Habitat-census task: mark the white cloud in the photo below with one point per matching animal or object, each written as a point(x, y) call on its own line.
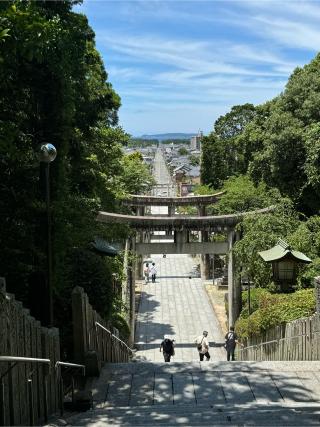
point(202, 57)
point(192, 77)
point(293, 24)
point(170, 79)
point(292, 34)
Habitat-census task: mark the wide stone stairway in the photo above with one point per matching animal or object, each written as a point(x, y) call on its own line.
point(214, 393)
point(149, 392)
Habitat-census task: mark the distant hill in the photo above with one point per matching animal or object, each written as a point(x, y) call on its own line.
point(164, 136)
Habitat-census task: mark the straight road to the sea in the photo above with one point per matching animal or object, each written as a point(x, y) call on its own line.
point(175, 305)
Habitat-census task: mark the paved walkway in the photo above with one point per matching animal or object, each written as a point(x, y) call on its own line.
point(210, 394)
point(175, 305)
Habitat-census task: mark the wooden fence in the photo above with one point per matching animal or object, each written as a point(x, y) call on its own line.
point(31, 383)
point(297, 340)
point(21, 335)
point(94, 343)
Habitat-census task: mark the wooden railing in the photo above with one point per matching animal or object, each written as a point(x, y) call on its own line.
point(33, 379)
point(113, 348)
point(30, 346)
point(94, 343)
point(297, 340)
point(27, 402)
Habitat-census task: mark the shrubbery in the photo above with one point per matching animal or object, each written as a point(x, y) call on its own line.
point(119, 322)
point(269, 310)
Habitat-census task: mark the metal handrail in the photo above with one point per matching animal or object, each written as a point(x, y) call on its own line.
point(71, 365)
point(295, 336)
point(59, 365)
point(276, 341)
point(267, 342)
point(114, 336)
point(23, 359)
point(14, 360)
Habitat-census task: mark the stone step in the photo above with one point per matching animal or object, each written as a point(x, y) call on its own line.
point(218, 393)
point(241, 415)
point(174, 367)
point(210, 383)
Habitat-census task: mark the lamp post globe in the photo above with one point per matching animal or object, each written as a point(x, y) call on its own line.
point(48, 153)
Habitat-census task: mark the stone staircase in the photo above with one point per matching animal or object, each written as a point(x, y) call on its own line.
point(214, 393)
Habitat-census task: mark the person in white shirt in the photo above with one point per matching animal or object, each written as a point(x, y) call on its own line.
point(203, 346)
point(153, 272)
point(146, 272)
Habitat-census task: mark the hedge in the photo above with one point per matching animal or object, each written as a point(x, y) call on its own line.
point(273, 309)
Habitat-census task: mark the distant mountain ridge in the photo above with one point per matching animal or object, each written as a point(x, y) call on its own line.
point(164, 136)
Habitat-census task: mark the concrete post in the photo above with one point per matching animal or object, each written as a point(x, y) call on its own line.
point(213, 268)
point(234, 287)
point(317, 293)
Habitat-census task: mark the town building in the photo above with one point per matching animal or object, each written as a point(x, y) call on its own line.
point(195, 141)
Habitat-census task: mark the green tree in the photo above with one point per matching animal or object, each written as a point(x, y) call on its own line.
point(229, 128)
point(233, 123)
point(280, 160)
point(183, 151)
point(259, 233)
point(282, 139)
point(213, 170)
point(194, 160)
point(136, 177)
point(54, 88)
point(242, 195)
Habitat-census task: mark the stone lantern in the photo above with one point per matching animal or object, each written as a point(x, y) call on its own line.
point(285, 263)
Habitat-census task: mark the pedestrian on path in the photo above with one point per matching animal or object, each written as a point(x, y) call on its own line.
point(167, 348)
point(231, 339)
point(203, 346)
point(146, 272)
point(153, 272)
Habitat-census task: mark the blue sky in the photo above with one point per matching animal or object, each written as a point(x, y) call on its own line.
point(178, 65)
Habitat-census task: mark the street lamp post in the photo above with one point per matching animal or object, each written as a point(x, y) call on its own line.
point(48, 153)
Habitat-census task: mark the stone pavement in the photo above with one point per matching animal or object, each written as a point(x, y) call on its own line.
point(161, 173)
point(176, 306)
point(213, 394)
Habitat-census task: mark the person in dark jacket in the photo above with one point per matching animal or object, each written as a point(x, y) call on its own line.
point(167, 348)
point(231, 341)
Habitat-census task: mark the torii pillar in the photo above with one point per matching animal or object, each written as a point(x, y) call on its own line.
point(234, 285)
point(205, 258)
point(171, 210)
point(128, 286)
point(140, 237)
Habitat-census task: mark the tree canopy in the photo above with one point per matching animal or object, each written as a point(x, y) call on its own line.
point(271, 154)
point(54, 89)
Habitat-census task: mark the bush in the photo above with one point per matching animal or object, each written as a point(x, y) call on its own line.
point(256, 295)
point(121, 324)
point(273, 310)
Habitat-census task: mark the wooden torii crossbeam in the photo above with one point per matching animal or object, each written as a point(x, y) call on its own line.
point(139, 200)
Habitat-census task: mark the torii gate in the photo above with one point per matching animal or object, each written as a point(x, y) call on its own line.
point(181, 225)
point(140, 202)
